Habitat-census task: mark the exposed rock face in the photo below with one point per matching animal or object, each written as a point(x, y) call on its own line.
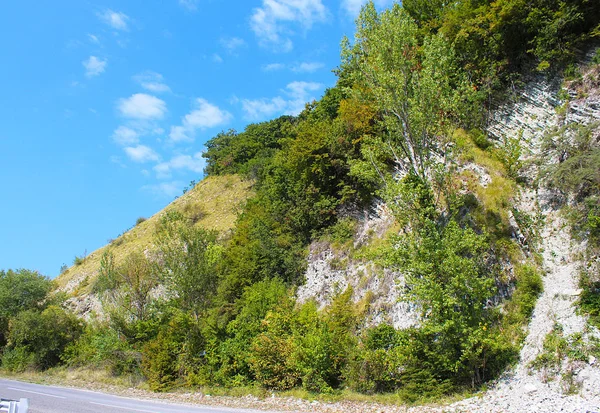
point(530, 113)
point(330, 272)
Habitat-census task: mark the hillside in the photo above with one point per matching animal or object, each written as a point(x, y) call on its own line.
point(429, 228)
point(212, 204)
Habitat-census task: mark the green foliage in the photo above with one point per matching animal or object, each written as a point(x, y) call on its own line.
point(375, 365)
point(305, 346)
point(20, 290)
point(509, 153)
point(589, 300)
point(415, 85)
point(173, 354)
point(126, 295)
point(44, 335)
point(559, 348)
point(139, 220)
point(496, 39)
point(79, 259)
point(189, 258)
point(596, 57)
point(341, 232)
point(577, 174)
point(18, 360)
point(271, 352)
point(554, 351)
point(529, 286)
point(252, 308)
point(102, 347)
point(245, 153)
point(450, 279)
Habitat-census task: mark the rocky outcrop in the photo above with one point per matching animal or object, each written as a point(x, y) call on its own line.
point(330, 271)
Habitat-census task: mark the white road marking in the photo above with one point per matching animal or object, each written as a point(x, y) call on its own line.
point(36, 392)
point(124, 408)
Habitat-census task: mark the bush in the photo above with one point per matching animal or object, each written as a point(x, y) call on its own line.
point(45, 335)
point(20, 290)
point(528, 287)
point(139, 220)
point(18, 360)
point(173, 354)
point(101, 347)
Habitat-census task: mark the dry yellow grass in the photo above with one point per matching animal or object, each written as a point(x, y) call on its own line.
point(213, 204)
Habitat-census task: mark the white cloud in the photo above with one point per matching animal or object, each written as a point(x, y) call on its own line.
point(232, 43)
point(191, 5)
point(165, 189)
point(352, 7)
point(180, 134)
point(217, 59)
point(269, 21)
point(124, 135)
point(296, 96)
point(152, 81)
point(195, 163)
point(141, 153)
point(142, 106)
point(204, 116)
point(307, 67)
point(261, 108)
point(93, 38)
point(94, 66)
point(271, 67)
point(116, 20)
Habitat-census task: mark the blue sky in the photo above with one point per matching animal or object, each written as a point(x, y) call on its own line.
point(105, 106)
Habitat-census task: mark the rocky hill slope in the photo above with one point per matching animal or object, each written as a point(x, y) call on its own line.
point(212, 204)
point(541, 106)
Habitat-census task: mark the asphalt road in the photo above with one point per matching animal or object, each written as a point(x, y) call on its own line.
point(51, 399)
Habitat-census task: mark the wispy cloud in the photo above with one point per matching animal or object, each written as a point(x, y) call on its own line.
point(165, 189)
point(195, 163)
point(269, 22)
point(204, 116)
point(217, 59)
point(141, 154)
point(293, 101)
point(142, 106)
point(190, 5)
point(303, 67)
point(124, 135)
point(232, 43)
point(93, 38)
point(116, 20)
point(272, 67)
point(152, 81)
point(94, 66)
point(307, 67)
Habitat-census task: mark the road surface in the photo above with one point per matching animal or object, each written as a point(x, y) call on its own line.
point(52, 399)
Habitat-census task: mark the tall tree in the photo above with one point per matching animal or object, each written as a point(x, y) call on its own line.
point(413, 83)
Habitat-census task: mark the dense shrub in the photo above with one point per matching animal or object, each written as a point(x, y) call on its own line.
point(101, 347)
point(43, 335)
point(20, 290)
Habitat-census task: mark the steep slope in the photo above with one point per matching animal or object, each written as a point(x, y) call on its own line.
point(212, 204)
point(571, 382)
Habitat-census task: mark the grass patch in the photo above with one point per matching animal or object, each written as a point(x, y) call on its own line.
point(497, 195)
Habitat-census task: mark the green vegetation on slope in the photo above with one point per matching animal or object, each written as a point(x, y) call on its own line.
point(187, 306)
